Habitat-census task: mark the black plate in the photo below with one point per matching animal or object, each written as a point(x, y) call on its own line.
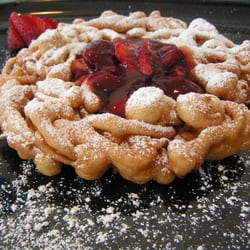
point(208, 209)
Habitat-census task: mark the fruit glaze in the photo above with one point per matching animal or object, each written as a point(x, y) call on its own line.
point(113, 71)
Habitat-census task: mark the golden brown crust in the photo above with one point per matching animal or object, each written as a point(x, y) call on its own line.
point(49, 119)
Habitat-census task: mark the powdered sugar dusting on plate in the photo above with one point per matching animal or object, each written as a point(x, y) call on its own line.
point(5, 55)
point(209, 206)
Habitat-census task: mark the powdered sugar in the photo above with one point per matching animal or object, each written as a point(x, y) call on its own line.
point(110, 213)
point(146, 97)
point(5, 55)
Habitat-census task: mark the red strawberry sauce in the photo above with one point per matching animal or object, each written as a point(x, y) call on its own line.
point(115, 70)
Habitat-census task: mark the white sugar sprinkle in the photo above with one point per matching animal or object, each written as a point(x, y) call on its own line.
point(49, 214)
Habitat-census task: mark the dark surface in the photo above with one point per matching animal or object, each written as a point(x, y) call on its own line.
point(209, 209)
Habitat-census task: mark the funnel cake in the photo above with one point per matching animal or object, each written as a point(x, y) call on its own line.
point(150, 96)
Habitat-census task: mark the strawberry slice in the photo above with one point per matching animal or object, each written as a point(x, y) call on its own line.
point(51, 22)
point(14, 41)
point(42, 24)
point(170, 55)
point(78, 68)
point(144, 58)
point(125, 53)
point(23, 27)
point(99, 54)
point(26, 28)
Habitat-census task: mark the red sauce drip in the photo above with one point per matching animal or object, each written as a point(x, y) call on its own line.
point(115, 70)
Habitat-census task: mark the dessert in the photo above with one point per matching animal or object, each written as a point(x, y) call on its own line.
point(147, 95)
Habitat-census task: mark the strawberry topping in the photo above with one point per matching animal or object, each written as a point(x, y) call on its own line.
point(125, 53)
point(115, 70)
point(25, 28)
point(14, 41)
point(145, 57)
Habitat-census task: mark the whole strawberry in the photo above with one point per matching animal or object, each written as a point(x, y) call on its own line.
point(25, 28)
